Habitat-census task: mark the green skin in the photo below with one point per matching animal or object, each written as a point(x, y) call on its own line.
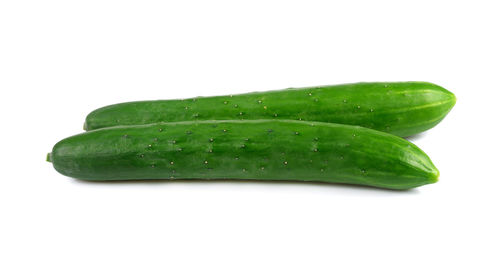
point(246, 150)
point(399, 108)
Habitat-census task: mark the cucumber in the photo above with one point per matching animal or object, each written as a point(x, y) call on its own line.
point(246, 150)
point(399, 108)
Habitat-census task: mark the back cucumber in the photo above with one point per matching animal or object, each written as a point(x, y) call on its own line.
point(248, 150)
point(399, 108)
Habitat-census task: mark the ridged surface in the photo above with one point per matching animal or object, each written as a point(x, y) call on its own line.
point(256, 150)
point(399, 108)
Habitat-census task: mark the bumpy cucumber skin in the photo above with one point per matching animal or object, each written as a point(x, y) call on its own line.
point(399, 108)
point(253, 150)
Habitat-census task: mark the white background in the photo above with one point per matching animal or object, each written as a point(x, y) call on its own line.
point(60, 60)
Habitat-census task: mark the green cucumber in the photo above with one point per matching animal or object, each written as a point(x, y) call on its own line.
point(254, 150)
point(399, 108)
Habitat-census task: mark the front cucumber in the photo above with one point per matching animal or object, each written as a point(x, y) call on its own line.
point(399, 108)
point(254, 150)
